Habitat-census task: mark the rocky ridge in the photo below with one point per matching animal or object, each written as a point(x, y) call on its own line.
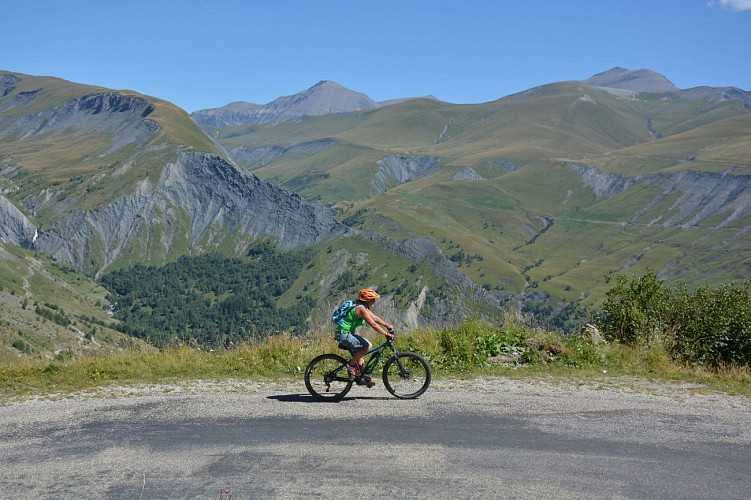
point(220, 203)
point(97, 111)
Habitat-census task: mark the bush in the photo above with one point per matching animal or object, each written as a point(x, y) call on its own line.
point(713, 326)
point(473, 345)
point(21, 345)
point(635, 311)
point(457, 348)
point(710, 326)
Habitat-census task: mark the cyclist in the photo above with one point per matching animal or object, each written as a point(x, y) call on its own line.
point(356, 344)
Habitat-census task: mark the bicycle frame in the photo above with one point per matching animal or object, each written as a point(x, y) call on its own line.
point(376, 353)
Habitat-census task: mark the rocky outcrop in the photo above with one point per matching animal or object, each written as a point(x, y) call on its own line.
point(200, 202)
point(8, 82)
point(602, 183)
point(397, 169)
point(119, 115)
point(699, 196)
point(467, 174)
point(15, 227)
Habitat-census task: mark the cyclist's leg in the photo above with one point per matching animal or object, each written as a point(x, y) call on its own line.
point(358, 356)
point(358, 346)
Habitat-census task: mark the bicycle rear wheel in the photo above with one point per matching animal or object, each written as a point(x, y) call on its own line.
point(406, 375)
point(326, 378)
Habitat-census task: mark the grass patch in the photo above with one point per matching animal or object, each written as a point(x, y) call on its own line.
point(473, 349)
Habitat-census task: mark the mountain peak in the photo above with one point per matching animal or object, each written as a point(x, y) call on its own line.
point(640, 80)
point(328, 83)
point(325, 97)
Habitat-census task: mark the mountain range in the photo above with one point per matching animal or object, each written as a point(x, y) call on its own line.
point(323, 98)
point(553, 187)
point(534, 197)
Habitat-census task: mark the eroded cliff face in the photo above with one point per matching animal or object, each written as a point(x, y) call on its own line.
point(698, 196)
point(702, 196)
point(398, 168)
point(200, 203)
point(603, 184)
point(15, 227)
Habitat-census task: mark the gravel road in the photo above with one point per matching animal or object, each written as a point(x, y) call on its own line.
point(484, 438)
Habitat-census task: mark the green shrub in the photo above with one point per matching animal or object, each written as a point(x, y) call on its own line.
point(635, 310)
point(710, 326)
point(457, 347)
point(21, 345)
point(503, 341)
point(713, 326)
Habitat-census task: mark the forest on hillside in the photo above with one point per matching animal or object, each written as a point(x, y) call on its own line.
point(210, 300)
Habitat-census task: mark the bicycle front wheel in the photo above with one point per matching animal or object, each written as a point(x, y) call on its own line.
point(326, 378)
point(406, 375)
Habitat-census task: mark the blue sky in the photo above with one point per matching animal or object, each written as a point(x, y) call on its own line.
point(204, 54)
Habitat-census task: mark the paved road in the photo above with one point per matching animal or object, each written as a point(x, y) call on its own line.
point(463, 439)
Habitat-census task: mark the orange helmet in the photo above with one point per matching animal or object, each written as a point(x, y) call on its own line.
point(367, 294)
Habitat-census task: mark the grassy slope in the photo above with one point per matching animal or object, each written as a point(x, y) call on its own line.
point(504, 217)
point(723, 146)
point(27, 281)
point(80, 166)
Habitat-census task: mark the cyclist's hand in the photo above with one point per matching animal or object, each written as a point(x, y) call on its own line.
point(390, 334)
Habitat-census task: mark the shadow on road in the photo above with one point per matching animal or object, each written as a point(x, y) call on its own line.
point(307, 398)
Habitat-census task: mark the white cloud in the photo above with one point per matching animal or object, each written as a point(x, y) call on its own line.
point(734, 5)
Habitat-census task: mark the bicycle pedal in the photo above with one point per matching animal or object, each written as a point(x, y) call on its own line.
point(370, 384)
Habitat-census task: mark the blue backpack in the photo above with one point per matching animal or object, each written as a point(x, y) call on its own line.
point(341, 311)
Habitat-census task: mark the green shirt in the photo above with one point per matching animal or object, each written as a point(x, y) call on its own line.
point(351, 321)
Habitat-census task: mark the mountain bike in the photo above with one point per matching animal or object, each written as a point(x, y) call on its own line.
point(406, 375)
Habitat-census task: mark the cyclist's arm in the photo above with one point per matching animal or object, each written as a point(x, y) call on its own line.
point(373, 320)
